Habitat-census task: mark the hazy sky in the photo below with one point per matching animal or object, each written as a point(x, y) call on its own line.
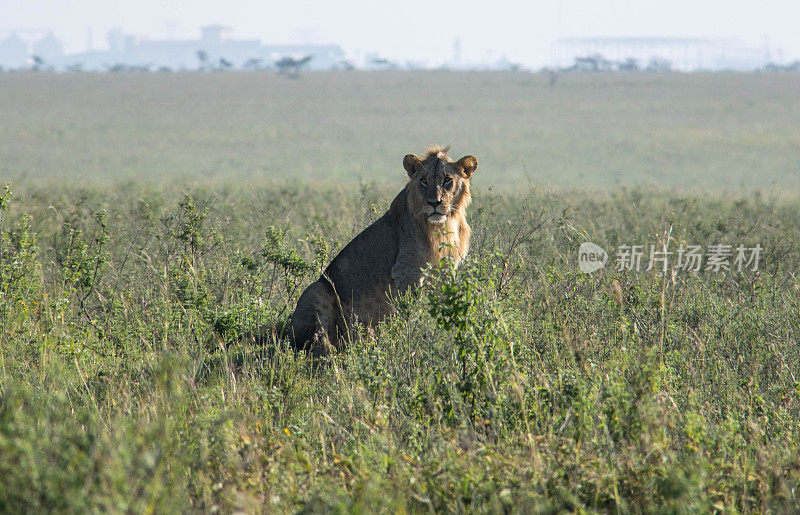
point(419, 30)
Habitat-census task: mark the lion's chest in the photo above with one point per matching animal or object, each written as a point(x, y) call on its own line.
point(451, 242)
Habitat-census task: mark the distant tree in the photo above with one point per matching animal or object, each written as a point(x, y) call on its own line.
point(253, 64)
point(39, 64)
point(291, 67)
point(778, 68)
point(380, 62)
point(592, 63)
point(202, 56)
point(224, 64)
point(629, 65)
point(75, 68)
point(659, 65)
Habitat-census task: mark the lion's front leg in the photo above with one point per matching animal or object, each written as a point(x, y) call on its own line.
point(406, 273)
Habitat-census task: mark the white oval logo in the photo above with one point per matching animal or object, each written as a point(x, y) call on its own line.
point(591, 257)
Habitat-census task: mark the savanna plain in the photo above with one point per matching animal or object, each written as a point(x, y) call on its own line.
point(157, 229)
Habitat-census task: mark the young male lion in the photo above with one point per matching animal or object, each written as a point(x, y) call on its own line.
point(424, 223)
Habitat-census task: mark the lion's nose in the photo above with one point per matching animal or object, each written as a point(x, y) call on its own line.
point(434, 203)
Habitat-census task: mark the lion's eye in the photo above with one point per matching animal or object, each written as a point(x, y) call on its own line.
point(447, 182)
point(424, 181)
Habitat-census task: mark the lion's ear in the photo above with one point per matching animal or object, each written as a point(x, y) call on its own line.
point(410, 163)
point(468, 165)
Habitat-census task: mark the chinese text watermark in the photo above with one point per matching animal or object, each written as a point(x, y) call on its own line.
point(718, 257)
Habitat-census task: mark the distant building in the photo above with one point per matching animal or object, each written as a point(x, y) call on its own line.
point(115, 39)
point(214, 34)
point(679, 54)
point(49, 48)
point(13, 52)
point(215, 49)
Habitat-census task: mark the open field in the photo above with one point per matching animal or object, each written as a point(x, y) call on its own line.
point(161, 228)
point(688, 131)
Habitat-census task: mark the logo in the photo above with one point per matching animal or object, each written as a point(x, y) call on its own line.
point(591, 257)
point(717, 258)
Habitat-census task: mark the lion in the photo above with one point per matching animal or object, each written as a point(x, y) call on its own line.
point(425, 222)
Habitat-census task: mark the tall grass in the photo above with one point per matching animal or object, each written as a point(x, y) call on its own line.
point(142, 367)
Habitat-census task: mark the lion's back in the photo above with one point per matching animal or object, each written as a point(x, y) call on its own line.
point(361, 272)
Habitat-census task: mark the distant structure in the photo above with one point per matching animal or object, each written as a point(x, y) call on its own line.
point(215, 49)
point(13, 52)
point(49, 48)
point(29, 49)
point(679, 54)
point(457, 53)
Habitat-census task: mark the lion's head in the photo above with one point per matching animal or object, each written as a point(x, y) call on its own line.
point(438, 187)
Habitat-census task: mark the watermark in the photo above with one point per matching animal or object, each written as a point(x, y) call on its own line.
point(591, 257)
point(718, 257)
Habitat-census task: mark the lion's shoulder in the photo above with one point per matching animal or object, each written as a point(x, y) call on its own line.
point(368, 258)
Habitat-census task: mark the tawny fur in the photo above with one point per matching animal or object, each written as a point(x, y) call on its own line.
point(425, 222)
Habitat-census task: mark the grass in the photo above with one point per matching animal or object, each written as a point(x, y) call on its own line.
point(689, 132)
point(141, 367)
